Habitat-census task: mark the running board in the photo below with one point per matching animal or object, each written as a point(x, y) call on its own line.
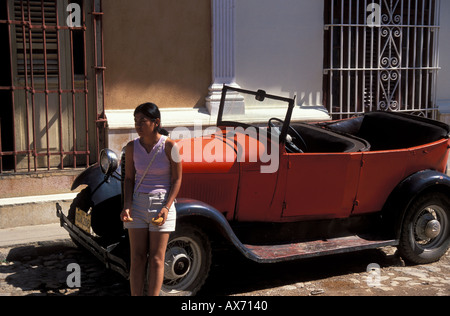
point(310, 249)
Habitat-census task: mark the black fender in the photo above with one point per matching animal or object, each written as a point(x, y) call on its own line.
point(102, 187)
point(209, 219)
point(406, 192)
point(104, 195)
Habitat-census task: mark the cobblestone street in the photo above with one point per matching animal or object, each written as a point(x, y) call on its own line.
point(41, 269)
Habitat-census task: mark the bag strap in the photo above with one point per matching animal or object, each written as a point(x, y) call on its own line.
point(150, 163)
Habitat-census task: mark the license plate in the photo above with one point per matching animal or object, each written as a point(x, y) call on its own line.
point(83, 220)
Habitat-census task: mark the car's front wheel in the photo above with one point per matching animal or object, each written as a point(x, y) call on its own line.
point(187, 261)
point(425, 235)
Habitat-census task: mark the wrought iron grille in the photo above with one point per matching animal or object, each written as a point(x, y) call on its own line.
point(51, 84)
point(381, 55)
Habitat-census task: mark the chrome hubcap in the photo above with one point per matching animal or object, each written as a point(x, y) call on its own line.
point(433, 229)
point(177, 263)
point(429, 227)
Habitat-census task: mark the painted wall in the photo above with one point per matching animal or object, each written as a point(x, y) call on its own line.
point(279, 47)
point(158, 51)
point(443, 85)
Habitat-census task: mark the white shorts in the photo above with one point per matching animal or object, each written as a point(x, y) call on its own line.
point(145, 208)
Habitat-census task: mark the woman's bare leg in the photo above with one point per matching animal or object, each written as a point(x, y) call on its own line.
point(158, 245)
point(138, 252)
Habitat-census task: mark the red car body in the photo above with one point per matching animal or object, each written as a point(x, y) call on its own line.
point(332, 184)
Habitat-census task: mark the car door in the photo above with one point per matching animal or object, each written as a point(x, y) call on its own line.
point(320, 186)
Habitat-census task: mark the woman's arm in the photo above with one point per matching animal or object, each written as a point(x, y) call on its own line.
point(171, 148)
point(128, 185)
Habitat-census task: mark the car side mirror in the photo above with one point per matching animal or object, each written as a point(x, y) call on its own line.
point(108, 161)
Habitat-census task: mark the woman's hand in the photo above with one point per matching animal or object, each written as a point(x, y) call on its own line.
point(125, 215)
point(161, 218)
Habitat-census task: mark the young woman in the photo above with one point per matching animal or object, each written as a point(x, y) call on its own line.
point(152, 182)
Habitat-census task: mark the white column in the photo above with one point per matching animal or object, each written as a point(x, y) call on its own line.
point(223, 63)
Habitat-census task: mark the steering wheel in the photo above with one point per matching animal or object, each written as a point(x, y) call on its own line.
point(293, 144)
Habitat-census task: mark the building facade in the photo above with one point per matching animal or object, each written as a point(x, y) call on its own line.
point(74, 70)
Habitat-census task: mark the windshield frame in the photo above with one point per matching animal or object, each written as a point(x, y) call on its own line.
point(260, 95)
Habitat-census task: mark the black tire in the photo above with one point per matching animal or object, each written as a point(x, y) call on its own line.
point(428, 215)
point(188, 261)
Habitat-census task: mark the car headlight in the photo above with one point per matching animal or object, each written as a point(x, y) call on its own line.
point(108, 161)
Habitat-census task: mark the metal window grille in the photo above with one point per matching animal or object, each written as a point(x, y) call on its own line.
point(390, 66)
point(51, 85)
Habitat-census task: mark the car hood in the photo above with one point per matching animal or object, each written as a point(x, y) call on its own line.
point(220, 152)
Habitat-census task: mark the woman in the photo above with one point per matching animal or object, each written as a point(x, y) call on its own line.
point(152, 182)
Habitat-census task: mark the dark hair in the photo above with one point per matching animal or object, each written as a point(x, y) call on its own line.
point(151, 111)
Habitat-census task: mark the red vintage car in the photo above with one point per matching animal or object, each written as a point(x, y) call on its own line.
point(278, 191)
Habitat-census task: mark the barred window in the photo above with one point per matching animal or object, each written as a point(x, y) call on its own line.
point(51, 84)
point(390, 65)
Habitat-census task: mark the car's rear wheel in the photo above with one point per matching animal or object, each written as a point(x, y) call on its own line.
point(425, 235)
point(187, 262)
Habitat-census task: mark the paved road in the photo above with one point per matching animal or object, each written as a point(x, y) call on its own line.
point(341, 275)
point(41, 269)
